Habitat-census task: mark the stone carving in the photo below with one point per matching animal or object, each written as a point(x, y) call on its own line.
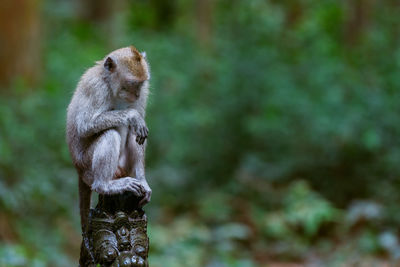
point(117, 233)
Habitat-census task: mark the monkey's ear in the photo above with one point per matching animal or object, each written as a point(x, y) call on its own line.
point(144, 54)
point(109, 64)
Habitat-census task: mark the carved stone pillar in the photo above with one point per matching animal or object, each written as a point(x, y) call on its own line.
point(117, 233)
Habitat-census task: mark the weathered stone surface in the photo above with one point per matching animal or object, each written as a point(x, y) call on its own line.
point(117, 233)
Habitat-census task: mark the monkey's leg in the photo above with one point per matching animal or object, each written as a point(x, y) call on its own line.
point(136, 165)
point(104, 165)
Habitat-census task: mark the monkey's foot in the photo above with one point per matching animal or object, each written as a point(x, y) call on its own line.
point(146, 193)
point(133, 185)
point(120, 185)
point(146, 198)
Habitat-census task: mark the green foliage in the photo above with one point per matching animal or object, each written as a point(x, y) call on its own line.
point(304, 213)
point(185, 242)
point(307, 209)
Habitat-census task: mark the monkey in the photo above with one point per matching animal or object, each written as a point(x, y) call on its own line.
point(106, 131)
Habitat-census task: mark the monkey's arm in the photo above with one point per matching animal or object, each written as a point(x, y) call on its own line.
point(90, 125)
point(139, 169)
point(136, 156)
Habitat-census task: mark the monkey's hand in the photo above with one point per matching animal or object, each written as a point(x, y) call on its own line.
point(140, 128)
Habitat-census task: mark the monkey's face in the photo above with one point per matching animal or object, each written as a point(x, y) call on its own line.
point(130, 89)
point(128, 73)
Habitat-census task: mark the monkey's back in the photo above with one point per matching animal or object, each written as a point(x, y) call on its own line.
point(89, 94)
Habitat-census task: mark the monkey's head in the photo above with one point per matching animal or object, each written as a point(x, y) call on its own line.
point(127, 73)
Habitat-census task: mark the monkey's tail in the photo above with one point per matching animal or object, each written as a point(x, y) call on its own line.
point(85, 194)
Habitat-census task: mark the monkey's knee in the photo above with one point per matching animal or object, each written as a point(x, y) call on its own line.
point(108, 140)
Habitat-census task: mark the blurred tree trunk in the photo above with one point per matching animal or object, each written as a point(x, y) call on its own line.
point(103, 14)
point(294, 13)
point(359, 12)
point(165, 12)
point(19, 40)
point(204, 10)
point(98, 11)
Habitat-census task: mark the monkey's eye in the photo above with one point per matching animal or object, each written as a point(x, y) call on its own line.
point(134, 85)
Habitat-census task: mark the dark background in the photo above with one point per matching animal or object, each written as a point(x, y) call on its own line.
point(274, 128)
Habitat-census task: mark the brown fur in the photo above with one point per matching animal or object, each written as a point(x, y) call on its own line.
point(120, 173)
point(136, 64)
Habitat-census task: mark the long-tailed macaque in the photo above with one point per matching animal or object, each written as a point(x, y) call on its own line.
point(106, 131)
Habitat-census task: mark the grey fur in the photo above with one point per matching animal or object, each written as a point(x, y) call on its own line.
point(106, 131)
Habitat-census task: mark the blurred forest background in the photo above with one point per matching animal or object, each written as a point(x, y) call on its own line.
point(274, 128)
